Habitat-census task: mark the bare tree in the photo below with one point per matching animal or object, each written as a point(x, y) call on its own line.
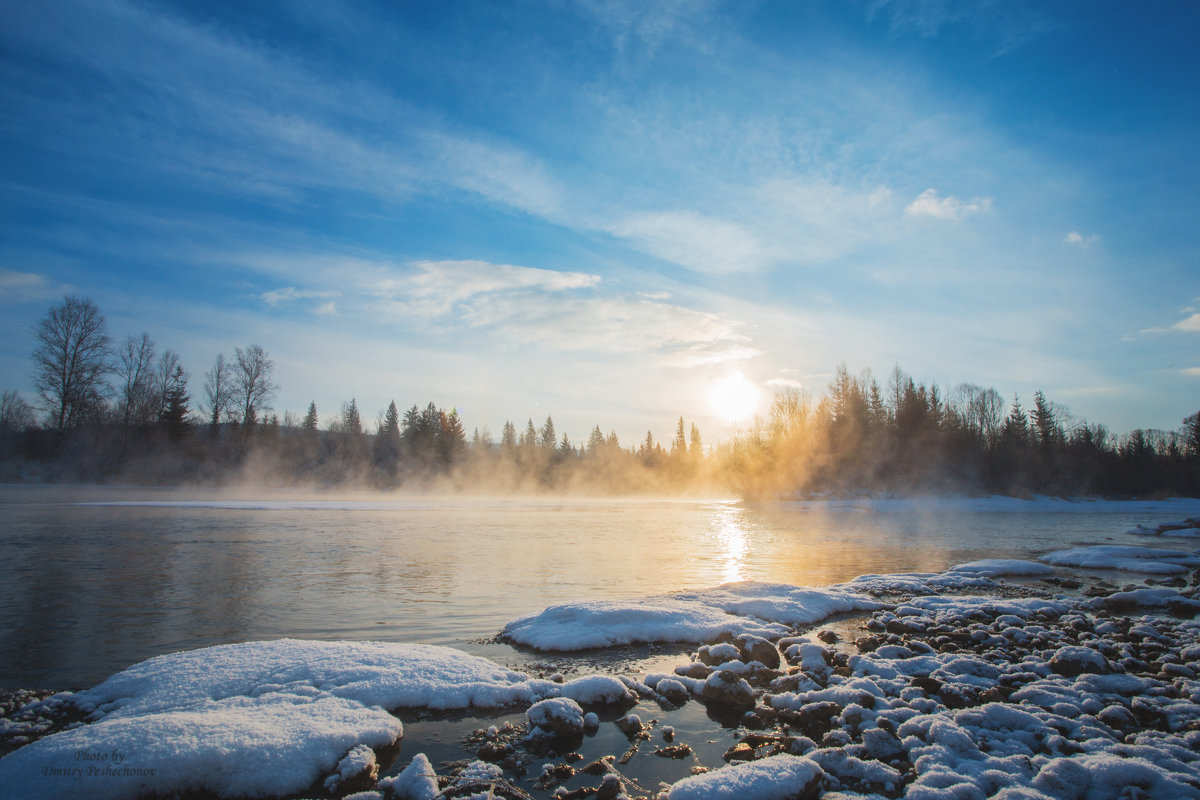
point(253, 387)
point(218, 390)
point(15, 414)
point(135, 388)
point(71, 361)
point(164, 379)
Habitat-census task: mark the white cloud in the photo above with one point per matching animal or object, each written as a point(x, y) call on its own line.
point(290, 293)
point(696, 241)
point(1193, 372)
point(437, 287)
point(326, 310)
point(785, 383)
point(1190, 324)
point(928, 204)
point(24, 287)
point(1079, 240)
point(559, 311)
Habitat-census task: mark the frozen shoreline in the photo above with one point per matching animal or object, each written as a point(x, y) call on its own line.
point(1012, 685)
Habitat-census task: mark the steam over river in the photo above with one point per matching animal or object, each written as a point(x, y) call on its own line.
point(97, 579)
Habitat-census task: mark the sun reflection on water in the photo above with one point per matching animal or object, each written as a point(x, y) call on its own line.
point(731, 534)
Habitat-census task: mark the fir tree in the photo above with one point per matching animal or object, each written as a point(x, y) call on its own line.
point(309, 425)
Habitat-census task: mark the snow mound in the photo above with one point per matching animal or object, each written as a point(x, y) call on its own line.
point(252, 719)
point(1000, 567)
point(778, 777)
point(749, 607)
point(1133, 559)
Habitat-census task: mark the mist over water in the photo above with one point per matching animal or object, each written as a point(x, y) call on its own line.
point(98, 579)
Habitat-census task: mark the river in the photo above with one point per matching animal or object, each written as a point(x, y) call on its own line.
point(96, 579)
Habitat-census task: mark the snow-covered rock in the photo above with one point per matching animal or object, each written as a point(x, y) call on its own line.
point(759, 609)
point(778, 777)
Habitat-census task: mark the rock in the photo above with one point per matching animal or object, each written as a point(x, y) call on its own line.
point(828, 637)
point(755, 648)
point(610, 788)
point(718, 654)
point(725, 688)
point(558, 717)
point(356, 772)
point(695, 670)
point(673, 690)
point(1074, 661)
point(674, 751)
point(494, 751)
point(630, 725)
point(739, 752)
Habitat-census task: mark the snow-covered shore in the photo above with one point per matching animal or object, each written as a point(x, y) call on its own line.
point(982, 681)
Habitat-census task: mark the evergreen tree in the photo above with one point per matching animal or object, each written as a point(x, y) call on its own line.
point(391, 423)
point(564, 446)
point(679, 443)
point(595, 440)
point(695, 447)
point(549, 441)
point(530, 437)
point(174, 416)
point(508, 437)
point(309, 425)
point(351, 421)
point(452, 439)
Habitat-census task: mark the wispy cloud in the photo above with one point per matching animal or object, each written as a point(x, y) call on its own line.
point(696, 241)
point(1189, 324)
point(25, 287)
point(559, 311)
point(929, 204)
point(1079, 240)
point(289, 294)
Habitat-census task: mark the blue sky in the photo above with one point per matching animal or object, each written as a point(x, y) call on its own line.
point(598, 210)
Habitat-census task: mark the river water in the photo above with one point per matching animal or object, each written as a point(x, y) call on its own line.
point(97, 579)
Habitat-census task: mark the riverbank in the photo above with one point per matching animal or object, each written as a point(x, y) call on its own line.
point(993, 675)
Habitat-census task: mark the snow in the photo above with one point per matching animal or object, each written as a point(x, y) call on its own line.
point(1000, 567)
point(778, 777)
point(258, 718)
point(417, 781)
point(1133, 559)
point(998, 504)
point(749, 607)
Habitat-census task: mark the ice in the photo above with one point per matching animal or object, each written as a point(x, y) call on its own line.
point(1134, 559)
point(778, 777)
point(1000, 567)
point(760, 609)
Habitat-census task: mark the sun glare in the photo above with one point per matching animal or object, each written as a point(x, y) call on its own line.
point(735, 398)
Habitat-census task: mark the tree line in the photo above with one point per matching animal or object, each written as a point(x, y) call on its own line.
point(909, 437)
point(125, 411)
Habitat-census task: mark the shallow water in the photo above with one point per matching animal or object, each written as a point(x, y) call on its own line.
point(98, 579)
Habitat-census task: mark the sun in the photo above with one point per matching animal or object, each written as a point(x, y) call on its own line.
point(735, 398)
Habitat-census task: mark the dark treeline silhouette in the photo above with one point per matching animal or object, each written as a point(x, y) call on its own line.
point(125, 413)
point(908, 437)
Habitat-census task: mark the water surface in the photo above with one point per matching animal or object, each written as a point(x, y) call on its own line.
point(98, 579)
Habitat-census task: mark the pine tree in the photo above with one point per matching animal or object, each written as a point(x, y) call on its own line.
point(351, 421)
point(549, 440)
point(508, 437)
point(679, 443)
point(174, 416)
point(309, 425)
point(391, 423)
point(695, 447)
point(595, 440)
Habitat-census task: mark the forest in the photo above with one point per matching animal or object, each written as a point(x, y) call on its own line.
point(127, 412)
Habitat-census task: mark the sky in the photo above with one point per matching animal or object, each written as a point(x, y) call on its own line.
point(600, 210)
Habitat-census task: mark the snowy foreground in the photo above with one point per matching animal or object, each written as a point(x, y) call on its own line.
point(955, 685)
